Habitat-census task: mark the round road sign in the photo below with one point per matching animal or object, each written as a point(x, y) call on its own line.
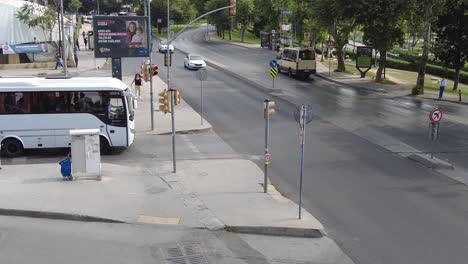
point(436, 115)
point(273, 63)
point(202, 74)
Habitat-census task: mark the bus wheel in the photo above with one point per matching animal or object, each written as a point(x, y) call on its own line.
point(12, 147)
point(279, 69)
point(104, 146)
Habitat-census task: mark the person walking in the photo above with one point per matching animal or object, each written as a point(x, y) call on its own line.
point(137, 80)
point(443, 83)
point(76, 59)
point(59, 62)
point(85, 39)
point(77, 44)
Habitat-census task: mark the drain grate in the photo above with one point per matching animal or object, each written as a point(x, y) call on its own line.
point(287, 261)
point(184, 254)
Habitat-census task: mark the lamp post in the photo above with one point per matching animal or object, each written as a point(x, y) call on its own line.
point(64, 59)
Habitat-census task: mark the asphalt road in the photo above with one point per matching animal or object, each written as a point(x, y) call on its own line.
point(378, 206)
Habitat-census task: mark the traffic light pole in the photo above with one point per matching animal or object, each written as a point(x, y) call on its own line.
point(267, 137)
point(303, 120)
point(171, 93)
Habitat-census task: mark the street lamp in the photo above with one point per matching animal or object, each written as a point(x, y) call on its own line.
point(64, 59)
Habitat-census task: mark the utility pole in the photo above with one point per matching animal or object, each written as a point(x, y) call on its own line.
point(171, 92)
point(150, 50)
point(97, 1)
point(64, 59)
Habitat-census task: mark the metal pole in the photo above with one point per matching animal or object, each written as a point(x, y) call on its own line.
point(97, 6)
point(207, 30)
point(267, 135)
point(303, 120)
point(64, 59)
point(201, 101)
point(172, 93)
point(150, 51)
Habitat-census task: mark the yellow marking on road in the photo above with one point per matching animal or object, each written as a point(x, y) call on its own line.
point(155, 220)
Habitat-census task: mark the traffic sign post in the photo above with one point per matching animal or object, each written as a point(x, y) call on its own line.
point(303, 116)
point(202, 75)
point(435, 117)
point(274, 71)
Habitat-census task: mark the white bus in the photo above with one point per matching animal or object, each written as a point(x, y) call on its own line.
point(40, 112)
point(298, 61)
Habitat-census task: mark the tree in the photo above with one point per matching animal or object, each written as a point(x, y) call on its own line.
point(74, 6)
point(245, 15)
point(221, 19)
point(337, 16)
point(382, 23)
point(45, 18)
point(452, 36)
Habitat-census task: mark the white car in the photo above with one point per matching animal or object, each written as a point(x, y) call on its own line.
point(163, 48)
point(194, 62)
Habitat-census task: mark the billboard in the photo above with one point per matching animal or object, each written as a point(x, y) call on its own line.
point(25, 48)
point(364, 57)
point(120, 36)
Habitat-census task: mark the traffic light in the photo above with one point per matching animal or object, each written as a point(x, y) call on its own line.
point(164, 102)
point(232, 10)
point(154, 68)
point(176, 97)
point(271, 108)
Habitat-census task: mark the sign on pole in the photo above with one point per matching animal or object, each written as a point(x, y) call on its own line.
point(274, 73)
point(436, 115)
point(363, 60)
point(202, 74)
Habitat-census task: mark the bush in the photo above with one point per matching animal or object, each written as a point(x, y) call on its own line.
point(430, 69)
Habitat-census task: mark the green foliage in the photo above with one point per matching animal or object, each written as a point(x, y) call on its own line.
point(183, 11)
point(74, 6)
point(44, 18)
point(245, 15)
point(221, 18)
point(452, 30)
point(430, 69)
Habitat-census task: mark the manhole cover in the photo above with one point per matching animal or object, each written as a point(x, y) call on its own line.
point(184, 254)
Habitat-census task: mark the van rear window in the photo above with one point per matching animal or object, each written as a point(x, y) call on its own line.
point(307, 55)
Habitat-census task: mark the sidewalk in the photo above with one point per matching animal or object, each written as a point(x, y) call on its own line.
point(212, 194)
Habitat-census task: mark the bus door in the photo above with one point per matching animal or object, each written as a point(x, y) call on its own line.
point(117, 121)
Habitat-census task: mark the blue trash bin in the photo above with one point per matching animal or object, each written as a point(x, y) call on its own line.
point(65, 168)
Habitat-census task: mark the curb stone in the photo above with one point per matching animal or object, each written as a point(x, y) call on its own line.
point(56, 216)
point(277, 231)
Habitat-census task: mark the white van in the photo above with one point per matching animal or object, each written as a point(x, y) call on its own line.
point(297, 61)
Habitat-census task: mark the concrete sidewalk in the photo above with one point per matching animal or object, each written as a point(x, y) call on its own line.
point(212, 194)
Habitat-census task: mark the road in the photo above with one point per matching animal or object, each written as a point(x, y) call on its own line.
point(378, 206)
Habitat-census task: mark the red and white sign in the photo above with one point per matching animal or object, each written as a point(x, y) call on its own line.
point(436, 115)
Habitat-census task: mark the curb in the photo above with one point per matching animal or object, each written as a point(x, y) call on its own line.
point(347, 84)
point(184, 132)
point(237, 76)
point(56, 216)
point(430, 163)
point(277, 231)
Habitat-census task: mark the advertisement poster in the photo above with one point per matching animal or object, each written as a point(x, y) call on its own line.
point(364, 57)
point(25, 48)
point(120, 36)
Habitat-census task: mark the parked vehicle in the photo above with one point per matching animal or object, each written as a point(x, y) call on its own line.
point(162, 48)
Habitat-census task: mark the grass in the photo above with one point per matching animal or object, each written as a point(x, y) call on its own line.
point(249, 38)
point(405, 78)
point(178, 27)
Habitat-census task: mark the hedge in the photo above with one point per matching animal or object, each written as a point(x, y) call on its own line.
point(430, 69)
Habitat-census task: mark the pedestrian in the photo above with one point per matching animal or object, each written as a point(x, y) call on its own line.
point(76, 59)
point(443, 83)
point(137, 80)
point(59, 62)
point(77, 44)
point(84, 34)
point(85, 42)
